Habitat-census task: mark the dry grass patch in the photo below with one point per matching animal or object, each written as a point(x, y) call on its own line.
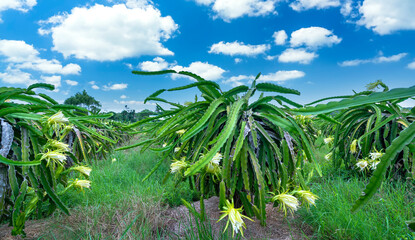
point(278, 226)
point(130, 219)
point(138, 219)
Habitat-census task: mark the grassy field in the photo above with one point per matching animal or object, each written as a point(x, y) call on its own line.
point(118, 203)
point(120, 206)
point(383, 218)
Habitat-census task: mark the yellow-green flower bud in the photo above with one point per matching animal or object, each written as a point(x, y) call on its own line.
point(287, 201)
point(234, 217)
point(328, 156)
point(82, 169)
point(216, 159)
point(57, 120)
point(362, 164)
point(353, 146)
point(58, 146)
point(177, 166)
point(328, 140)
point(81, 184)
point(55, 156)
point(181, 132)
point(307, 197)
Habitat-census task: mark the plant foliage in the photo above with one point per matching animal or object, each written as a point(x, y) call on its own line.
point(45, 148)
point(232, 144)
point(375, 134)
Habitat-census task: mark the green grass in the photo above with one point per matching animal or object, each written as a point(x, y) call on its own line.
point(114, 181)
point(383, 218)
point(118, 199)
point(119, 205)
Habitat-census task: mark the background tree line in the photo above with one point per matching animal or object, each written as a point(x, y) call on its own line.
point(83, 99)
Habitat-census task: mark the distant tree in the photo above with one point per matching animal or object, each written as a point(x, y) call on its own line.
point(144, 114)
point(128, 115)
point(84, 100)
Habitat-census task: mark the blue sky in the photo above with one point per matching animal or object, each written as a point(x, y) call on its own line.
point(319, 47)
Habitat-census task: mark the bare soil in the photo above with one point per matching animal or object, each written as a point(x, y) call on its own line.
point(33, 229)
point(278, 226)
point(176, 222)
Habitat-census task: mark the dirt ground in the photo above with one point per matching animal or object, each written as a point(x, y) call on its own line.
point(33, 229)
point(278, 226)
point(176, 223)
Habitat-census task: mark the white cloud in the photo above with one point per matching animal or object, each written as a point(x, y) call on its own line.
point(15, 76)
point(297, 55)
point(313, 37)
point(238, 60)
point(19, 5)
point(302, 5)
point(281, 76)
point(46, 25)
point(238, 48)
point(238, 80)
point(232, 9)
point(50, 67)
point(137, 3)
point(116, 86)
point(387, 16)
point(132, 102)
point(411, 65)
point(71, 83)
point(93, 85)
point(378, 59)
point(123, 97)
point(17, 51)
point(347, 8)
point(270, 58)
point(71, 69)
point(280, 37)
point(393, 58)
point(119, 105)
point(129, 65)
point(355, 62)
point(111, 33)
point(203, 69)
point(205, 2)
point(21, 55)
point(54, 80)
point(408, 103)
point(157, 64)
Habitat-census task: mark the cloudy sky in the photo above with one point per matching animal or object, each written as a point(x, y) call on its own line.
point(319, 47)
